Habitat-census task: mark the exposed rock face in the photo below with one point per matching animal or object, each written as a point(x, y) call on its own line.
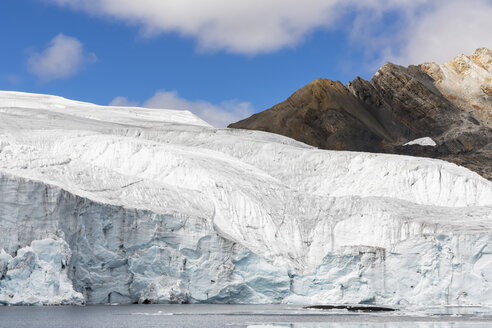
point(323, 114)
point(450, 103)
point(467, 82)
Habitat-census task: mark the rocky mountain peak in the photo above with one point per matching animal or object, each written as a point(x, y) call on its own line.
point(451, 103)
point(483, 57)
point(467, 82)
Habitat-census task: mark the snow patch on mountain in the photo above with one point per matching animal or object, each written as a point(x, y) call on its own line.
point(425, 141)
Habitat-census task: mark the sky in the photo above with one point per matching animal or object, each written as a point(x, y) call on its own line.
point(222, 59)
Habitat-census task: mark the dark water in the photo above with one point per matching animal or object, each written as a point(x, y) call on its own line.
point(231, 316)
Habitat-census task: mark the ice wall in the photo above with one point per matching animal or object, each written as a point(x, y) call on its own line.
point(154, 206)
point(37, 275)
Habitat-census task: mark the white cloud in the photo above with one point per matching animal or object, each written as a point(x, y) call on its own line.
point(406, 31)
point(218, 115)
point(63, 57)
point(447, 30)
point(123, 102)
point(422, 30)
point(239, 26)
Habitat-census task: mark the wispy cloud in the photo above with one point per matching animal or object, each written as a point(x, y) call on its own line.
point(63, 57)
point(218, 115)
point(407, 31)
point(238, 26)
point(416, 31)
point(447, 29)
point(123, 102)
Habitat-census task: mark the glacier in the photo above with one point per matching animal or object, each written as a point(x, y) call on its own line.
point(123, 205)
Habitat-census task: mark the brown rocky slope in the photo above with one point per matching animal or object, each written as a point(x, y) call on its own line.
point(450, 103)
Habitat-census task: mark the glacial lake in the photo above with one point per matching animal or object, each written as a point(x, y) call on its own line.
point(231, 316)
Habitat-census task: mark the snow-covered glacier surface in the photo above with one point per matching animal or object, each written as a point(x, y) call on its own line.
point(121, 205)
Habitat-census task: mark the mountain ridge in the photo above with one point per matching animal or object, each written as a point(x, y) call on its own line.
point(450, 103)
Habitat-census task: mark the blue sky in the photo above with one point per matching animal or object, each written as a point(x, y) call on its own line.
point(221, 61)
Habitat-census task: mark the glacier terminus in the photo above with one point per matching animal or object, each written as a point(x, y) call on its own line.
point(123, 205)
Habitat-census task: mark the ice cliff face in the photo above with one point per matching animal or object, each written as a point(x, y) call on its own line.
point(137, 205)
point(37, 275)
